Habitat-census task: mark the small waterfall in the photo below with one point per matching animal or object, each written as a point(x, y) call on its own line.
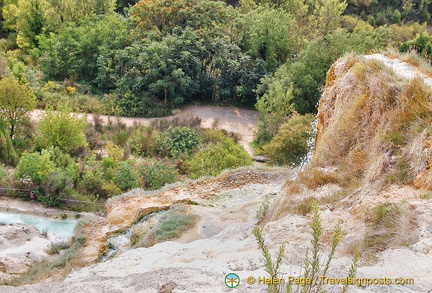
point(120, 240)
point(311, 144)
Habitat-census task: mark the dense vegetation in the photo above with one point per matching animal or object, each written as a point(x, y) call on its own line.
point(145, 58)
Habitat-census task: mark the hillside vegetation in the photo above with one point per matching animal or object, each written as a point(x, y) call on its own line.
point(147, 58)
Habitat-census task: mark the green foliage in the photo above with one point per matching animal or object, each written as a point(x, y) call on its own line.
point(144, 142)
point(163, 16)
point(15, 101)
point(385, 12)
point(422, 44)
point(268, 33)
point(182, 67)
point(3, 173)
point(274, 106)
point(31, 19)
point(289, 145)
point(312, 266)
point(125, 176)
point(173, 224)
point(8, 154)
point(82, 52)
point(214, 158)
point(62, 130)
point(157, 173)
point(58, 185)
point(178, 140)
point(36, 166)
point(56, 96)
point(271, 267)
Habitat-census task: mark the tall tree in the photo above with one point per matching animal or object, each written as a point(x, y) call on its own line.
point(15, 101)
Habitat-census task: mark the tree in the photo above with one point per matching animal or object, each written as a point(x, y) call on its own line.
point(164, 15)
point(62, 130)
point(34, 18)
point(78, 51)
point(15, 101)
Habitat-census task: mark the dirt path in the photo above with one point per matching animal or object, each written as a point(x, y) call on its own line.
point(233, 119)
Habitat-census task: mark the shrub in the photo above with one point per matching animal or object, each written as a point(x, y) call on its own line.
point(37, 166)
point(178, 140)
point(3, 173)
point(143, 142)
point(62, 130)
point(57, 185)
point(8, 154)
point(212, 160)
point(156, 174)
point(125, 176)
point(289, 146)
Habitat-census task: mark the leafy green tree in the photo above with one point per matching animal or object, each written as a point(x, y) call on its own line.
point(84, 52)
point(31, 19)
point(266, 33)
point(274, 106)
point(62, 130)
point(15, 102)
point(164, 15)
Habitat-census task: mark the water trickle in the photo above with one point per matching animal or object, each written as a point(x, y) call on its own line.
point(119, 240)
point(311, 144)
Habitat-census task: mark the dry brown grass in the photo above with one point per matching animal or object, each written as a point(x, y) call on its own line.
point(313, 178)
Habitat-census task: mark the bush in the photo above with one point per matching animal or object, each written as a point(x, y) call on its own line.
point(212, 160)
point(156, 174)
point(125, 176)
point(36, 166)
point(62, 130)
point(8, 154)
point(3, 173)
point(178, 140)
point(289, 146)
point(143, 142)
point(57, 185)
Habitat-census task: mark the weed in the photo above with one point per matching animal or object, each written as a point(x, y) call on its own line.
point(312, 266)
point(426, 196)
point(262, 213)
point(272, 268)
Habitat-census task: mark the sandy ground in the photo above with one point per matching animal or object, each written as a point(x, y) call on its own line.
point(239, 121)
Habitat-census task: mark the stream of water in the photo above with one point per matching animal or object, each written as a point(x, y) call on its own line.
point(60, 228)
point(119, 240)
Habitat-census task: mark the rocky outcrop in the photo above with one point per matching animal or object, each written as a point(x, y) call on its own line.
point(373, 120)
point(20, 246)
